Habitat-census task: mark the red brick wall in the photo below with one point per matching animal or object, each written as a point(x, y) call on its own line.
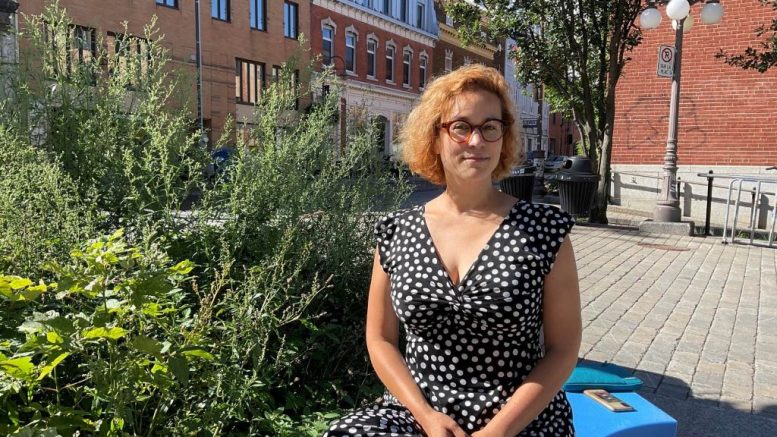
point(318, 14)
point(728, 116)
point(222, 42)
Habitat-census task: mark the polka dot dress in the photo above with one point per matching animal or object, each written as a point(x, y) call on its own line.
point(469, 346)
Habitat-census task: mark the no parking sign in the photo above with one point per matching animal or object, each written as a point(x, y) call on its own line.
point(666, 56)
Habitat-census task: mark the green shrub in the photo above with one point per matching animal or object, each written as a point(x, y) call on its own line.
point(281, 244)
point(41, 214)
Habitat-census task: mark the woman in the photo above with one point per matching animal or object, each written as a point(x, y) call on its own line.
point(484, 285)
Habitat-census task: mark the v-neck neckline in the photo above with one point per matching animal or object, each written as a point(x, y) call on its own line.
point(480, 253)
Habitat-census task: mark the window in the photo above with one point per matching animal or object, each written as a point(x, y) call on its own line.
point(448, 61)
point(403, 10)
point(276, 73)
point(258, 14)
point(448, 20)
point(419, 17)
point(133, 57)
point(168, 3)
point(390, 63)
point(422, 71)
point(290, 20)
point(249, 81)
point(327, 46)
point(386, 6)
point(219, 9)
point(406, 58)
point(467, 60)
point(371, 47)
point(350, 52)
point(70, 50)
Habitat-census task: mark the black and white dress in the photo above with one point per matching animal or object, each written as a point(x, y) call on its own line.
point(469, 346)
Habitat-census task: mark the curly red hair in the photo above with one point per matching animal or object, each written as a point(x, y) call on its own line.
point(421, 131)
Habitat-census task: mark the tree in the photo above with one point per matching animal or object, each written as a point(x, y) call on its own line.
point(755, 59)
point(577, 49)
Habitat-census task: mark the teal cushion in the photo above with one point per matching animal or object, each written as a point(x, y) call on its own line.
point(607, 376)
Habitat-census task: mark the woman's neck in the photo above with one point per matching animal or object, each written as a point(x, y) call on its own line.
point(470, 196)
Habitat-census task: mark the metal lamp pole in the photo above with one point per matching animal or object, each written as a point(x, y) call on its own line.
point(668, 204)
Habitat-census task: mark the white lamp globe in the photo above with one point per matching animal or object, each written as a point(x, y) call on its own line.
point(712, 12)
point(687, 24)
point(678, 9)
point(650, 18)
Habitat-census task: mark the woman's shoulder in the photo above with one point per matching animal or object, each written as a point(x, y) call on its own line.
point(387, 222)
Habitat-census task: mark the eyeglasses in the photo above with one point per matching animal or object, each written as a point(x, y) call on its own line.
point(460, 131)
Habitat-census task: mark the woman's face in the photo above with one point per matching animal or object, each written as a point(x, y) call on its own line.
point(465, 154)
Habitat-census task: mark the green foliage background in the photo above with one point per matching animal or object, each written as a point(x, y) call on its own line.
point(140, 297)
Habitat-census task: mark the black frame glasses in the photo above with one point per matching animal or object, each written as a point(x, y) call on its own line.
point(487, 135)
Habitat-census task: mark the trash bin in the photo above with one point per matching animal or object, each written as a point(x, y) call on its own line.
point(520, 182)
point(576, 185)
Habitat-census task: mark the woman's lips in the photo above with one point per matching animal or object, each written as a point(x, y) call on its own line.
point(475, 158)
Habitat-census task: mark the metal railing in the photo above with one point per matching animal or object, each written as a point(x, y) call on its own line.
point(759, 182)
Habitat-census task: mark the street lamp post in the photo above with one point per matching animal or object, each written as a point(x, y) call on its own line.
point(668, 204)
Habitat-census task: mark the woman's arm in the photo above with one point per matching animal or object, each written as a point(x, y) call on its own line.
point(383, 345)
point(563, 331)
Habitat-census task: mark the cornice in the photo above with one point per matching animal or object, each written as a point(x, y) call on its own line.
point(373, 19)
point(448, 34)
point(379, 89)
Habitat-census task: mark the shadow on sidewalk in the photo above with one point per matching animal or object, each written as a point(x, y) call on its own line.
point(700, 417)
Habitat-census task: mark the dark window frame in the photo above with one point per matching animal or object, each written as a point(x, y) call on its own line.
point(350, 50)
point(423, 66)
point(226, 11)
point(253, 5)
point(403, 9)
point(390, 60)
point(420, 14)
point(167, 3)
point(372, 64)
point(407, 67)
point(257, 94)
point(289, 6)
point(327, 57)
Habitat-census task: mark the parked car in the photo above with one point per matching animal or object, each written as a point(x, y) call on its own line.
point(554, 163)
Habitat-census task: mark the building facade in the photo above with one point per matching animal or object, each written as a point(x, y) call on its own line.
point(527, 108)
point(727, 121)
point(451, 53)
point(243, 43)
point(382, 50)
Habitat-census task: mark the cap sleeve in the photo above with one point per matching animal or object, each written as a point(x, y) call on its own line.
point(385, 229)
point(556, 225)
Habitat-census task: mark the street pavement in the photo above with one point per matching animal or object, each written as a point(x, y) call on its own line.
point(695, 319)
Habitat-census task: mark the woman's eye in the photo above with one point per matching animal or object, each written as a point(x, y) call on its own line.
point(460, 128)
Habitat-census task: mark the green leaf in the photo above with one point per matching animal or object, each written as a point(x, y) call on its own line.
point(54, 337)
point(147, 345)
point(19, 283)
point(47, 369)
point(21, 368)
point(114, 333)
point(180, 369)
point(199, 353)
point(182, 268)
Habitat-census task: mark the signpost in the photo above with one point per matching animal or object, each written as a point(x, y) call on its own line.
point(666, 57)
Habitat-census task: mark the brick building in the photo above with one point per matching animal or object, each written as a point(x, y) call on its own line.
point(451, 53)
point(243, 43)
point(383, 51)
point(727, 121)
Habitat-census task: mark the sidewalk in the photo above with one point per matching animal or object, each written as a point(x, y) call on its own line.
point(695, 319)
